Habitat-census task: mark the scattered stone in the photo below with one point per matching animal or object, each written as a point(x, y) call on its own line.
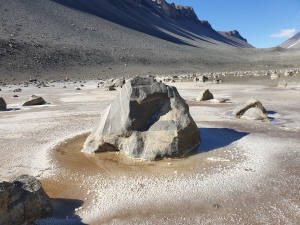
point(17, 90)
point(254, 114)
point(205, 96)
point(23, 201)
point(217, 206)
point(78, 89)
point(35, 100)
point(282, 84)
point(148, 120)
point(275, 76)
point(110, 88)
point(2, 104)
point(252, 110)
point(64, 86)
point(119, 82)
point(217, 81)
point(16, 96)
point(219, 100)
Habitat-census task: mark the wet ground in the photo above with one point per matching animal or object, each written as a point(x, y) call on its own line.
point(244, 172)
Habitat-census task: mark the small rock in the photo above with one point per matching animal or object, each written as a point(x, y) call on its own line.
point(219, 100)
point(110, 88)
point(257, 111)
point(78, 89)
point(16, 96)
point(274, 76)
point(254, 114)
point(17, 90)
point(205, 95)
point(282, 84)
point(35, 100)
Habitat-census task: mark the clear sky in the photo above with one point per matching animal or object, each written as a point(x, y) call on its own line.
point(264, 23)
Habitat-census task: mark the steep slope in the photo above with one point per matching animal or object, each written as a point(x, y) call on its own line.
point(293, 42)
point(104, 38)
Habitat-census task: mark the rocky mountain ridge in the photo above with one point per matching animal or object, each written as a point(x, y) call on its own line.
point(293, 42)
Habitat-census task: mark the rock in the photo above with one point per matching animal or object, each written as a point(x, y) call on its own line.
point(64, 87)
point(78, 89)
point(35, 100)
point(217, 81)
point(282, 84)
point(119, 82)
point(17, 90)
point(274, 76)
point(16, 96)
point(110, 88)
point(148, 120)
point(2, 104)
point(23, 201)
point(219, 100)
point(205, 95)
point(254, 114)
point(259, 112)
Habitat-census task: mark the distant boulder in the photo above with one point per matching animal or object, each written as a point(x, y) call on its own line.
point(275, 76)
point(252, 110)
point(23, 201)
point(119, 82)
point(282, 84)
point(2, 104)
point(205, 96)
point(17, 90)
point(35, 100)
point(148, 120)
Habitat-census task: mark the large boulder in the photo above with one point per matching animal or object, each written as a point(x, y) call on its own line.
point(35, 100)
point(252, 110)
point(148, 120)
point(2, 104)
point(23, 201)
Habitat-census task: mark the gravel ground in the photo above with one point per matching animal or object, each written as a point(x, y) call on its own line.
point(245, 172)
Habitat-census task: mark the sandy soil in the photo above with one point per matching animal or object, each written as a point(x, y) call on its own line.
point(245, 172)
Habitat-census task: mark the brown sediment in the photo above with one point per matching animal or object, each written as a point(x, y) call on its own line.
point(68, 156)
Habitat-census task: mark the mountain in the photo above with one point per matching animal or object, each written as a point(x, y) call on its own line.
point(104, 38)
point(293, 42)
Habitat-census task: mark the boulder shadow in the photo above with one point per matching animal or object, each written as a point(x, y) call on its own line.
point(12, 109)
point(63, 213)
point(271, 118)
point(214, 138)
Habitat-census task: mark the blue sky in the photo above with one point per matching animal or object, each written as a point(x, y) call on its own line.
point(265, 23)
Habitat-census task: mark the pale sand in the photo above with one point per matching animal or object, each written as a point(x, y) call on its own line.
point(247, 174)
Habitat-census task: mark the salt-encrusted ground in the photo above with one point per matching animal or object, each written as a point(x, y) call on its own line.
point(248, 172)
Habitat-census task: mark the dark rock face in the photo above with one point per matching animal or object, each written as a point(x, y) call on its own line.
point(165, 9)
point(35, 100)
point(236, 34)
point(148, 120)
point(23, 201)
point(2, 104)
